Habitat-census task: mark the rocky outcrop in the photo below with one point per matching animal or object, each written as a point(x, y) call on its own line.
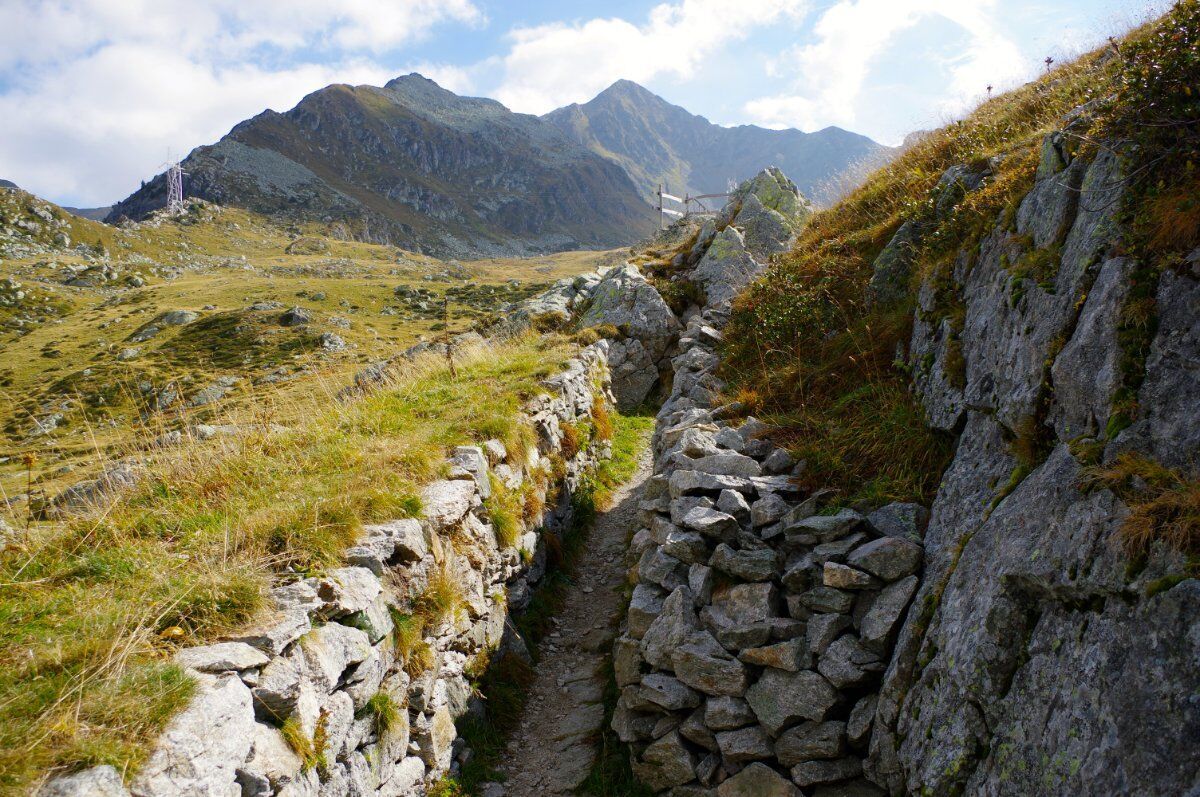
point(291, 705)
point(625, 300)
point(1038, 660)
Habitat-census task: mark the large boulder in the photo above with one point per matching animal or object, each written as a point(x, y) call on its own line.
point(627, 301)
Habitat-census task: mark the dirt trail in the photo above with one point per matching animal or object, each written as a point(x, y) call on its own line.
point(552, 751)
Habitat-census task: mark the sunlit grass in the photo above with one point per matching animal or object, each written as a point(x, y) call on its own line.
point(91, 608)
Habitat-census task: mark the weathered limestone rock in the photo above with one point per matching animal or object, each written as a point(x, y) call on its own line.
point(201, 748)
point(444, 503)
point(221, 657)
point(100, 781)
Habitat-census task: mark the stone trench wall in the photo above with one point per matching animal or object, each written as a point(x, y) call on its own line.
point(329, 648)
point(758, 629)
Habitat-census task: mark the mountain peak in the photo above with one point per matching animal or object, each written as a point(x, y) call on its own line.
point(627, 89)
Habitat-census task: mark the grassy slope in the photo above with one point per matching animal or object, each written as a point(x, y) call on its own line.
point(91, 610)
point(807, 352)
point(72, 356)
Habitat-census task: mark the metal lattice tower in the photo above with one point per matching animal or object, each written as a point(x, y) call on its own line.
point(175, 187)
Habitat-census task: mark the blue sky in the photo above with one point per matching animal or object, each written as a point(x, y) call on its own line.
point(95, 94)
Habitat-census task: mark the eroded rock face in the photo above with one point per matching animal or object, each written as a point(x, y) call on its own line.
point(1039, 661)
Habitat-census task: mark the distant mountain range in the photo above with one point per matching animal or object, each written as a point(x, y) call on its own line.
point(418, 166)
point(660, 143)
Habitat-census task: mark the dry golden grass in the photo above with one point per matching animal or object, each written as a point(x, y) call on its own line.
point(92, 608)
point(1164, 504)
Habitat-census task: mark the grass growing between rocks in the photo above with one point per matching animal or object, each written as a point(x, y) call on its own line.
point(1164, 505)
point(807, 351)
point(504, 680)
point(91, 609)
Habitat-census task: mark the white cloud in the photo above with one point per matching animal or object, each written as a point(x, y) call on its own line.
point(556, 64)
point(829, 74)
point(94, 91)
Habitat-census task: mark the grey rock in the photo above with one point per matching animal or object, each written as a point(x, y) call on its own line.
point(728, 463)
point(274, 633)
point(670, 693)
point(778, 461)
point(726, 267)
point(99, 781)
point(745, 744)
point(711, 523)
point(694, 482)
point(295, 317)
point(811, 740)
point(202, 746)
point(841, 576)
point(780, 698)
point(904, 520)
point(1087, 372)
point(627, 661)
point(701, 663)
point(753, 565)
point(473, 460)
point(822, 528)
point(747, 604)
point(731, 502)
point(885, 613)
point(673, 625)
point(329, 650)
point(768, 509)
point(828, 599)
point(823, 629)
point(816, 773)
point(757, 780)
point(858, 726)
point(665, 763)
point(644, 606)
point(221, 657)
point(792, 655)
point(444, 503)
point(723, 713)
point(846, 663)
point(686, 546)
point(889, 558)
point(347, 590)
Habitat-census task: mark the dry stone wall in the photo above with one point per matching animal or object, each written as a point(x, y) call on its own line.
point(759, 627)
point(312, 670)
point(760, 624)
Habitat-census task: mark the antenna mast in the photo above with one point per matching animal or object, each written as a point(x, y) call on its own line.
point(175, 187)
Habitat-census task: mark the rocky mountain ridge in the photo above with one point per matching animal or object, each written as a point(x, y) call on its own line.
point(415, 165)
point(660, 143)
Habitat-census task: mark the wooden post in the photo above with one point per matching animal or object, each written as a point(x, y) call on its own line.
point(449, 340)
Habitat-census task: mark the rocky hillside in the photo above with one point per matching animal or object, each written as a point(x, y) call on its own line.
point(415, 165)
point(1003, 324)
point(657, 142)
